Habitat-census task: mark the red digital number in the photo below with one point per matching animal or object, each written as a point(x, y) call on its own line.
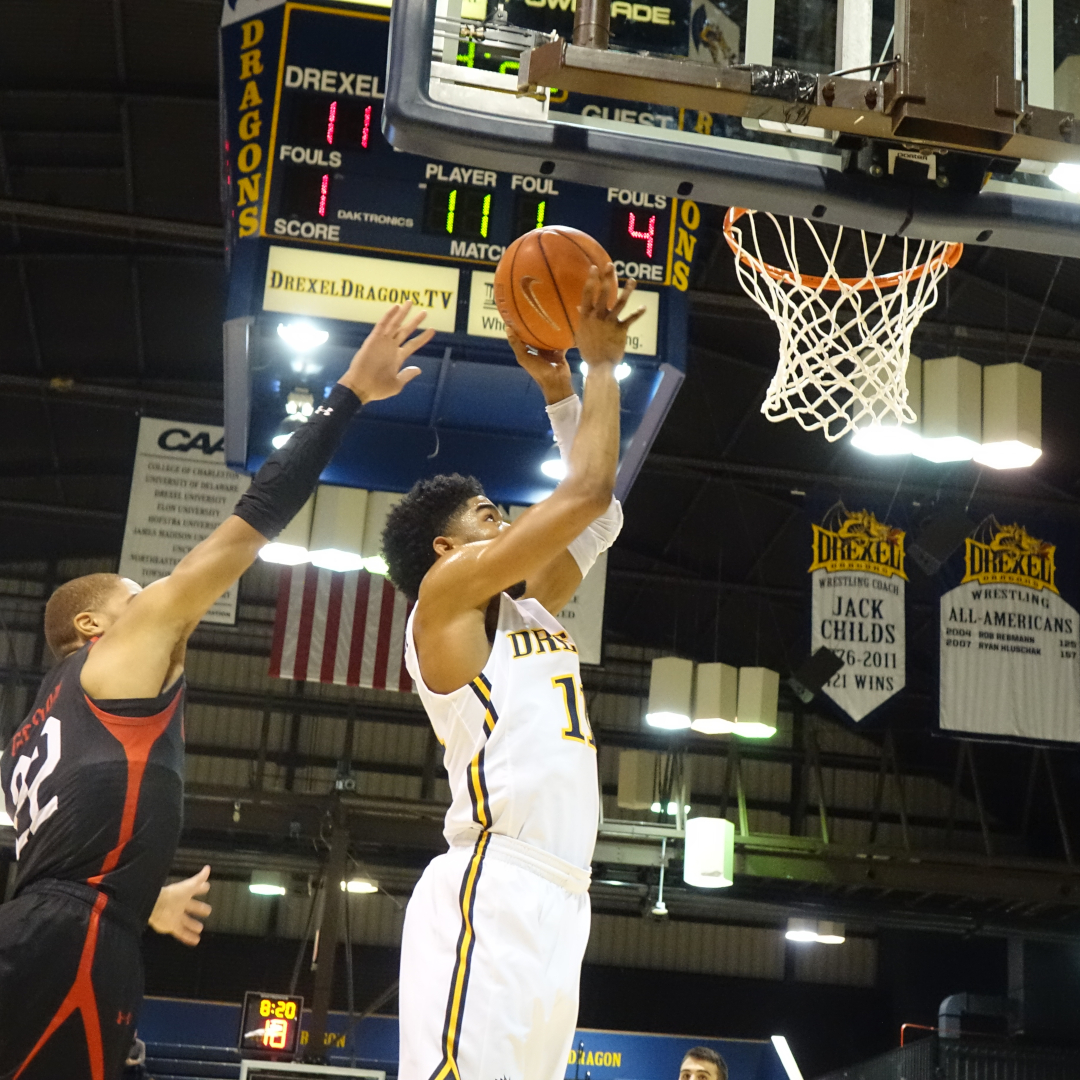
point(276, 1034)
point(331, 119)
point(648, 234)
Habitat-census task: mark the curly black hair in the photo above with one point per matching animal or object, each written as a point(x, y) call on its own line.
point(413, 524)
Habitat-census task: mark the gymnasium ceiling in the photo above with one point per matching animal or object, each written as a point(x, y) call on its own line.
point(111, 292)
point(110, 106)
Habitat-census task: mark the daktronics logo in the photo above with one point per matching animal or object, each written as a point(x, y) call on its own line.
point(178, 440)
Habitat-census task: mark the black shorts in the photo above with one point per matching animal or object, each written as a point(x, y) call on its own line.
point(71, 984)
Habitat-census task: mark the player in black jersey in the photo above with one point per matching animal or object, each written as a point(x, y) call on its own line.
point(93, 778)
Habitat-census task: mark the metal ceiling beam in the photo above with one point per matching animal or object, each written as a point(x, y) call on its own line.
point(770, 476)
point(413, 715)
point(802, 870)
point(655, 577)
point(111, 97)
point(68, 515)
point(105, 395)
point(116, 226)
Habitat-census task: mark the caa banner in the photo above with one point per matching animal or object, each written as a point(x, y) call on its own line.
point(181, 491)
point(858, 585)
point(1009, 664)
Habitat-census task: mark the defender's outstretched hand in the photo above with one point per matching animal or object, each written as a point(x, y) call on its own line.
point(547, 367)
point(601, 335)
point(176, 908)
point(375, 372)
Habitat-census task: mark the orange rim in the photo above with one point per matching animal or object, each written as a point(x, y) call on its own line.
point(948, 257)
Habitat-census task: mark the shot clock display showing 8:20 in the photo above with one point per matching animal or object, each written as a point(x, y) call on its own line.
point(270, 1025)
point(332, 178)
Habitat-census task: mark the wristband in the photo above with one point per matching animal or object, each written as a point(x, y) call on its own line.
point(289, 475)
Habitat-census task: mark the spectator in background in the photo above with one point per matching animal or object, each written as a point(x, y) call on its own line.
point(700, 1063)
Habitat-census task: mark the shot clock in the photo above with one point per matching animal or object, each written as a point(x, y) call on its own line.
point(270, 1025)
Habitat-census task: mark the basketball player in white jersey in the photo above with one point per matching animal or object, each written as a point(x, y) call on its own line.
point(496, 927)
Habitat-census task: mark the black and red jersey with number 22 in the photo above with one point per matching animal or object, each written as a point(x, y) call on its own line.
point(95, 791)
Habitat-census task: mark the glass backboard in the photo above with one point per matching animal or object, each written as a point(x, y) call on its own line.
point(466, 97)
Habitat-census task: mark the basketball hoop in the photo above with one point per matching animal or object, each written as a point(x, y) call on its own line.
point(844, 341)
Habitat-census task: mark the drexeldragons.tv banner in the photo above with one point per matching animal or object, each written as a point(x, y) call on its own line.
point(1009, 663)
point(858, 583)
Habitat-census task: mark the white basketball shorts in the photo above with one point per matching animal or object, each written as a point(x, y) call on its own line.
point(491, 964)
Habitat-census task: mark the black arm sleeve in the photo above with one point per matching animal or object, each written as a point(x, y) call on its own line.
point(289, 475)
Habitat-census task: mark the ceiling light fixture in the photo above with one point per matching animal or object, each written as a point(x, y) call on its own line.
point(751, 730)
point(759, 694)
point(360, 885)
point(302, 336)
point(886, 440)
point(337, 528)
point(267, 883)
point(671, 690)
point(291, 546)
point(1011, 417)
point(716, 699)
point(376, 564)
point(709, 853)
point(812, 931)
point(379, 505)
point(952, 410)
point(802, 930)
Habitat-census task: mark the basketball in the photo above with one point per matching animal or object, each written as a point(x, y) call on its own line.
point(539, 280)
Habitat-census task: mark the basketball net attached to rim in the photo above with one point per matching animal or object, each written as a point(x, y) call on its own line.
point(845, 342)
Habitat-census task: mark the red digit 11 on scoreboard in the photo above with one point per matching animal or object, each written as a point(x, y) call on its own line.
point(648, 234)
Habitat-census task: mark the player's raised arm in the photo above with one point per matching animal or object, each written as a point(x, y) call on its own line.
point(470, 576)
point(555, 584)
point(141, 651)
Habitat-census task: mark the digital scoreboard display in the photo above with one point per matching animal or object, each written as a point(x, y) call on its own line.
point(326, 222)
point(332, 178)
point(270, 1025)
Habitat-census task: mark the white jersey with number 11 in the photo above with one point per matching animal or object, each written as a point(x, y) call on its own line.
point(518, 747)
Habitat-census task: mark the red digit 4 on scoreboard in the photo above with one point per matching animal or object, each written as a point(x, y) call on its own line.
point(648, 234)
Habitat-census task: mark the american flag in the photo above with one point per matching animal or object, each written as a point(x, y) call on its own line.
point(347, 629)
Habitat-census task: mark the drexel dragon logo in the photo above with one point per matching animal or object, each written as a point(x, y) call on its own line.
point(1009, 554)
point(856, 540)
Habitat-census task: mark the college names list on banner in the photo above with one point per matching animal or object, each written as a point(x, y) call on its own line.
point(858, 582)
point(181, 490)
point(1009, 663)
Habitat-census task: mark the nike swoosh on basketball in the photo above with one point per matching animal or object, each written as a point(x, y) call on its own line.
point(527, 284)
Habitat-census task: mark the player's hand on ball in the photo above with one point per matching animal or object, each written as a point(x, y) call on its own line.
point(178, 913)
point(547, 367)
point(601, 334)
point(375, 372)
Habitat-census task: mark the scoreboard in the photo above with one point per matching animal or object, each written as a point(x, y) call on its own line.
point(327, 225)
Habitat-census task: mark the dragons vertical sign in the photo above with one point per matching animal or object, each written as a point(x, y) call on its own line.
point(858, 583)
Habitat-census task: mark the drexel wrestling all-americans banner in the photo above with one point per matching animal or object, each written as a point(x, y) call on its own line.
point(857, 610)
point(1009, 630)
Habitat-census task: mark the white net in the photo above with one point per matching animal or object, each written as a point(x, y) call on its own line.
point(844, 341)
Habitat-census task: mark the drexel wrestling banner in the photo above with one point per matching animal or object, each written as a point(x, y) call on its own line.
point(1009, 631)
point(857, 611)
